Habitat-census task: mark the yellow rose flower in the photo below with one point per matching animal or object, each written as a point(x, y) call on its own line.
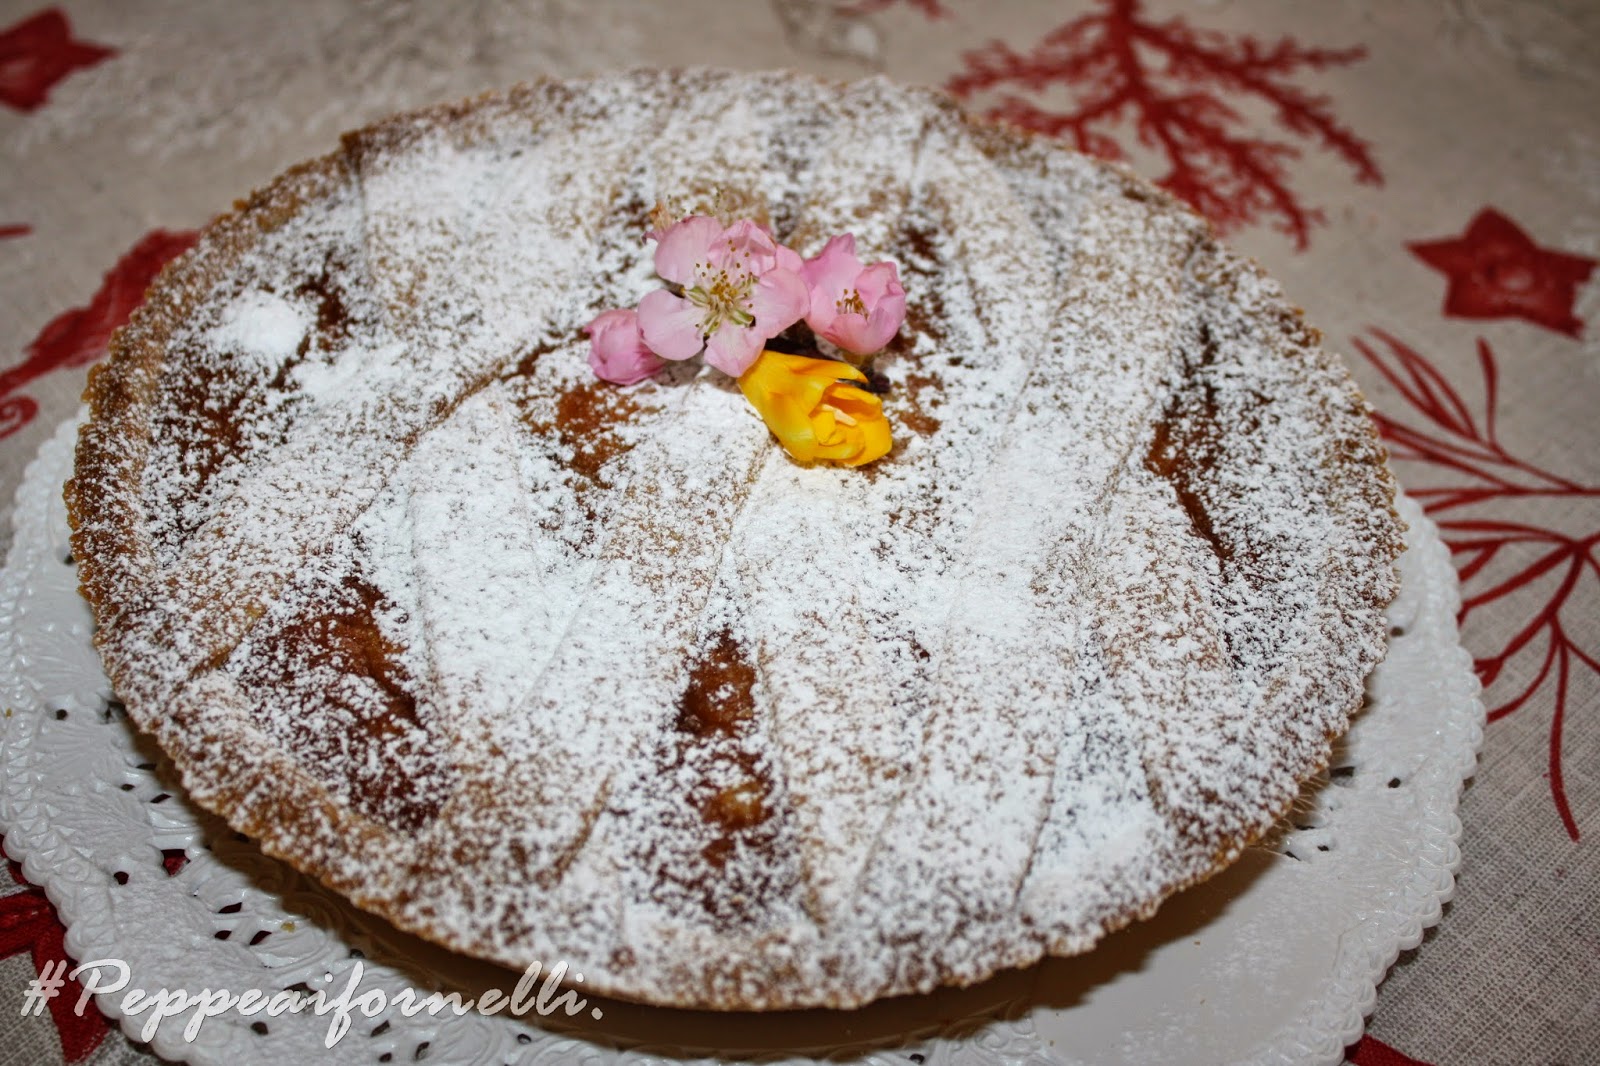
point(817, 408)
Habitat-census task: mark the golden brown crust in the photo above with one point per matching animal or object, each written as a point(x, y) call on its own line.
point(762, 892)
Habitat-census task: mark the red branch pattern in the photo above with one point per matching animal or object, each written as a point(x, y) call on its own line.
point(79, 336)
point(1172, 80)
point(1497, 557)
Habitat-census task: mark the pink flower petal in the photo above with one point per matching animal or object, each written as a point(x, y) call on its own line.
point(746, 244)
point(732, 350)
point(863, 334)
point(617, 352)
point(845, 331)
point(877, 282)
point(834, 268)
point(685, 244)
point(671, 325)
point(882, 324)
point(778, 302)
point(885, 300)
point(789, 259)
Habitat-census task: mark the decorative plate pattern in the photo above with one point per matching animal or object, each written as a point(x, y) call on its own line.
point(1275, 960)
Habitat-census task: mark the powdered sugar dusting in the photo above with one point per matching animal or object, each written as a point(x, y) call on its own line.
point(546, 668)
point(262, 328)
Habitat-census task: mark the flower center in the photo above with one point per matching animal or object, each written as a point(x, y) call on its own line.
point(850, 303)
point(724, 294)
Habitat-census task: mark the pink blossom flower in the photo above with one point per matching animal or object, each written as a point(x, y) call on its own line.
point(617, 352)
point(858, 308)
point(740, 289)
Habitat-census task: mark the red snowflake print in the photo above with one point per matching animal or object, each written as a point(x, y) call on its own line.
point(1173, 82)
point(38, 52)
point(930, 9)
point(79, 337)
point(16, 230)
point(1535, 577)
point(1496, 271)
point(1370, 1051)
point(28, 923)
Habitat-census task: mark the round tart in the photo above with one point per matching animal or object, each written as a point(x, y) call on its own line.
point(547, 669)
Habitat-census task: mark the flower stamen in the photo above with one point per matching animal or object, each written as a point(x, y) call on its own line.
point(724, 294)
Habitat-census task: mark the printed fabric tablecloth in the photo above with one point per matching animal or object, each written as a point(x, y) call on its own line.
point(1422, 176)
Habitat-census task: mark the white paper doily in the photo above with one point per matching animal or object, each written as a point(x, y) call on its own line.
point(1276, 960)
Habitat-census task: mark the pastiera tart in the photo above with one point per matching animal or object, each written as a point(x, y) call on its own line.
point(545, 668)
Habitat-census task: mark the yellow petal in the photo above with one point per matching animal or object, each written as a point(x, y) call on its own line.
point(817, 408)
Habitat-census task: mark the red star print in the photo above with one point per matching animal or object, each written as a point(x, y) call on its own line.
point(1496, 271)
point(38, 52)
point(29, 923)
